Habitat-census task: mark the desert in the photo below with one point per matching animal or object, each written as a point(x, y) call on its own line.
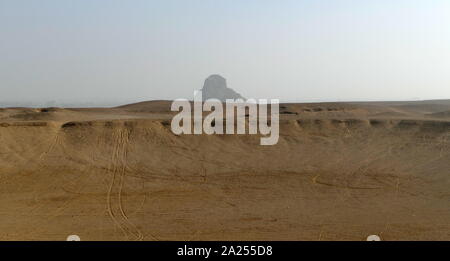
point(340, 171)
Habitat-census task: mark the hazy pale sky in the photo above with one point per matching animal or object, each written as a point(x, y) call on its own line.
point(89, 50)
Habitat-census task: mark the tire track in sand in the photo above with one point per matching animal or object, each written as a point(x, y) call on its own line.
point(114, 199)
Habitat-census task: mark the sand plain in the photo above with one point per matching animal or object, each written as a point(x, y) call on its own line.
point(340, 171)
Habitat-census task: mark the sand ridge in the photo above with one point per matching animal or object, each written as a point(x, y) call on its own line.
point(341, 171)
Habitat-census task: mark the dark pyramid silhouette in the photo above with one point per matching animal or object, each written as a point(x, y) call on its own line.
point(215, 87)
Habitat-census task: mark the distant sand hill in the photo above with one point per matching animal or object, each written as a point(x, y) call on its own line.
point(341, 171)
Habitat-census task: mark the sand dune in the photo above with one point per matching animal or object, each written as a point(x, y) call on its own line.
point(341, 171)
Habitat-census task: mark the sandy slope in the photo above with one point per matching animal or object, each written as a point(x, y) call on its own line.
point(341, 171)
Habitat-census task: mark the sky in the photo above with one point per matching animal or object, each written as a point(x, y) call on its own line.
point(294, 50)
